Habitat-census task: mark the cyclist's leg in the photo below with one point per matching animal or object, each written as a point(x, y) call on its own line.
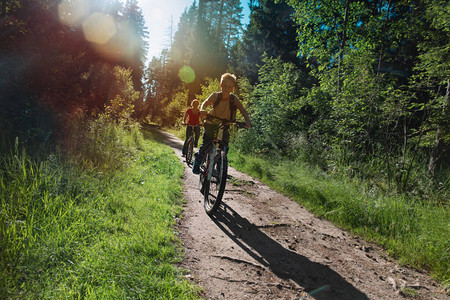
point(196, 135)
point(226, 138)
point(183, 151)
point(208, 137)
point(188, 135)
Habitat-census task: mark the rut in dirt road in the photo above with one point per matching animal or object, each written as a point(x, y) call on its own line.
point(262, 245)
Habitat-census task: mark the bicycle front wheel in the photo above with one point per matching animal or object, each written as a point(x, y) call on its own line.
point(215, 187)
point(189, 151)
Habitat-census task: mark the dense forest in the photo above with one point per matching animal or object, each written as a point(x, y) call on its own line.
point(354, 87)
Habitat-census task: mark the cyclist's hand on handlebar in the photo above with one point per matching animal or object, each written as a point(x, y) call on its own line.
point(244, 124)
point(203, 113)
point(241, 124)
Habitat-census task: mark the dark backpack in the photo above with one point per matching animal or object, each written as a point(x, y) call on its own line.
point(233, 100)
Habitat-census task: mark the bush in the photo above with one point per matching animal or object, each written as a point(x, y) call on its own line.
point(173, 110)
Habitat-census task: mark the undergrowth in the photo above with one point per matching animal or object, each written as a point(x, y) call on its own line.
point(97, 225)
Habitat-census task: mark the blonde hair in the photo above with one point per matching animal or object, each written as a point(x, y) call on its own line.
point(193, 101)
point(228, 76)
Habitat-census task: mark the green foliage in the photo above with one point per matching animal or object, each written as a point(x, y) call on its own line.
point(121, 107)
point(173, 110)
point(103, 144)
point(270, 30)
point(363, 109)
point(211, 85)
point(119, 110)
point(435, 60)
point(137, 35)
point(71, 232)
point(432, 79)
point(276, 106)
point(324, 27)
point(108, 140)
point(50, 72)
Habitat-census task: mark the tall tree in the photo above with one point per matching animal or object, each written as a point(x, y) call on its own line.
point(434, 79)
point(135, 23)
point(233, 24)
point(272, 31)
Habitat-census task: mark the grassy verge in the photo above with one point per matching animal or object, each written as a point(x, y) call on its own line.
point(415, 232)
point(180, 132)
point(96, 233)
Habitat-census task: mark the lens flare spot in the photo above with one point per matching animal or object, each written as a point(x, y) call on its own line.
point(186, 74)
point(126, 42)
point(71, 12)
point(99, 28)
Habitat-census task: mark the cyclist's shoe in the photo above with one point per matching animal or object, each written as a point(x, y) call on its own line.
point(196, 166)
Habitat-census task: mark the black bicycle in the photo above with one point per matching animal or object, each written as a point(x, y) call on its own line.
point(213, 170)
point(190, 145)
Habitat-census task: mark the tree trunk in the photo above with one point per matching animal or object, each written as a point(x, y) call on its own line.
point(382, 44)
point(230, 28)
point(434, 153)
point(201, 9)
point(342, 45)
point(219, 23)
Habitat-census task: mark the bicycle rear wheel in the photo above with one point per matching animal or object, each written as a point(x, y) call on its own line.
point(189, 151)
point(215, 187)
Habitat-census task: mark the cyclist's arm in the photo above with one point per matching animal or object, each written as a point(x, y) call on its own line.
point(244, 113)
point(185, 116)
point(207, 103)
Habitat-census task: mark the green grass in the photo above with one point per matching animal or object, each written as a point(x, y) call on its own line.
point(92, 232)
point(415, 232)
point(180, 132)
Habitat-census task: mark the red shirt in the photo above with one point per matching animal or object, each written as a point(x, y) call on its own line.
point(193, 118)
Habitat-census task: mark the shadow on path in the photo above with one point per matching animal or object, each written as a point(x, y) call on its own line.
point(154, 132)
point(282, 262)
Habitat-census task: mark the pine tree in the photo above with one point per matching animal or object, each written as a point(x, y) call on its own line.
point(270, 31)
point(135, 24)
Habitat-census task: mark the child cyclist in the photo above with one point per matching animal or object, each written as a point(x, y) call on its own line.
point(193, 117)
point(224, 105)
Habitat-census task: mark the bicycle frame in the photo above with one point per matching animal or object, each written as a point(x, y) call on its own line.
point(211, 163)
point(213, 184)
point(215, 147)
point(189, 144)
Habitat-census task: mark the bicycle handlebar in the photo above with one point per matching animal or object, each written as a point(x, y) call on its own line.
point(227, 122)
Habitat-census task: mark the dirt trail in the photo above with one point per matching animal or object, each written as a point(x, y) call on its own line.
point(261, 245)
